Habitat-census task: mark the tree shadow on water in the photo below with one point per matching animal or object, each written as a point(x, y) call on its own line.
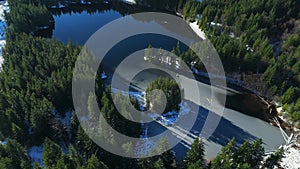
point(224, 132)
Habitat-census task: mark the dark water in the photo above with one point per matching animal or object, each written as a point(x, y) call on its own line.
point(78, 27)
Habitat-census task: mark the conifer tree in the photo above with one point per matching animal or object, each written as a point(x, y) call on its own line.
point(94, 163)
point(52, 153)
point(195, 154)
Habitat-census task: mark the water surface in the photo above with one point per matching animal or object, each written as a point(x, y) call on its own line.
point(78, 27)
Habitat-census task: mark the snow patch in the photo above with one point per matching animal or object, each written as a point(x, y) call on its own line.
point(130, 2)
point(197, 30)
point(3, 142)
point(215, 24)
point(170, 118)
point(249, 48)
point(139, 96)
point(291, 159)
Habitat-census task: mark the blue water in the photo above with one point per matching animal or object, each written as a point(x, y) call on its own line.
point(78, 27)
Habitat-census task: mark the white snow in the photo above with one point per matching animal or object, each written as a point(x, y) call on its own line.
point(36, 154)
point(231, 35)
point(195, 27)
point(3, 8)
point(291, 159)
point(285, 117)
point(197, 30)
point(249, 48)
point(217, 24)
point(179, 14)
point(130, 2)
point(134, 94)
point(3, 142)
point(170, 118)
point(139, 96)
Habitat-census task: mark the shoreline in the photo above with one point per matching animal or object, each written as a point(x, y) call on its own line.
point(234, 84)
point(197, 30)
point(291, 148)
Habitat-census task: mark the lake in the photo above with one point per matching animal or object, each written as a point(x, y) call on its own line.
point(78, 27)
point(71, 26)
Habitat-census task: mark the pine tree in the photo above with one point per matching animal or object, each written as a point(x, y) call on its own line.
point(167, 156)
point(224, 160)
point(52, 153)
point(159, 164)
point(195, 154)
point(145, 163)
point(36, 166)
point(197, 165)
point(92, 108)
point(13, 150)
point(171, 91)
point(61, 163)
point(6, 163)
point(94, 163)
point(75, 158)
point(257, 151)
point(274, 159)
